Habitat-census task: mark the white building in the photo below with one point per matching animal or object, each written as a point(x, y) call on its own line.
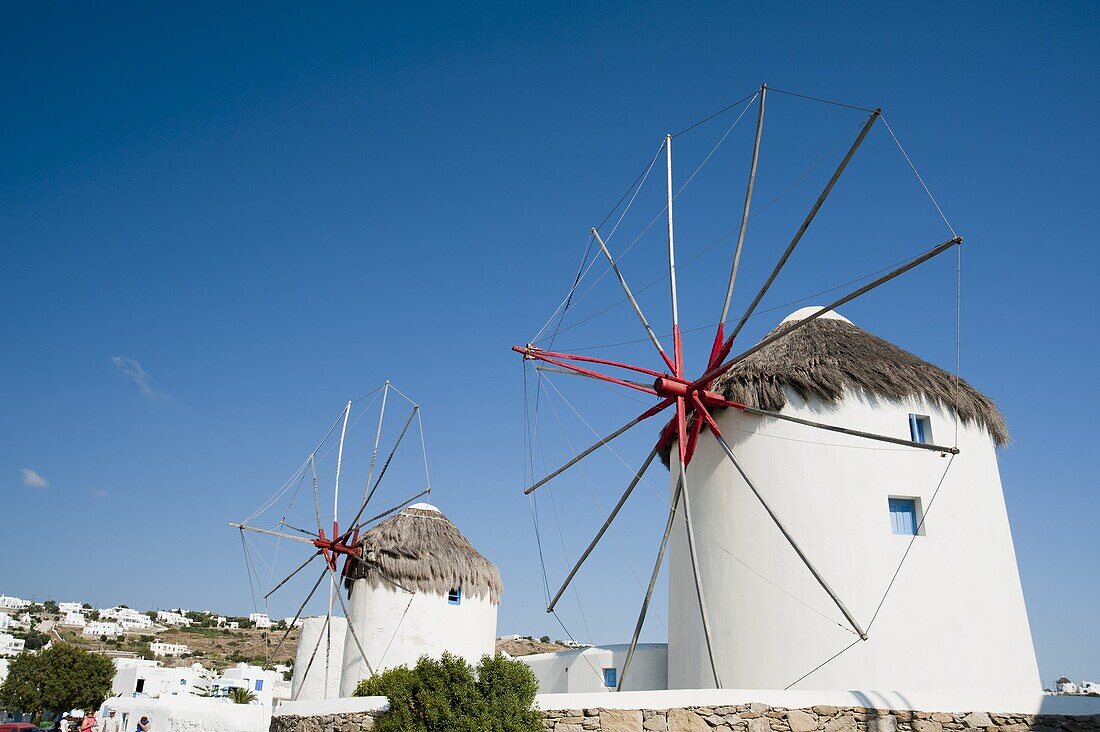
point(13, 603)
point(168, 649)
point(187, 712)
point(70, 607)
point(100, 627)
point(597, 669)
point(955, 617)
point(419, 588)
point(5, 621)
point(10, 645)
point(1090, 687)
point(74, 619)
point(260, 620)
point(1065, 686)
point(137, 677)
point(170, 617)
point(267, 685)
point(292, 622)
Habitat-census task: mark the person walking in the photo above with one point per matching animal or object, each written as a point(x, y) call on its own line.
point(143, 725)
point(110, 722)
point(89, 723)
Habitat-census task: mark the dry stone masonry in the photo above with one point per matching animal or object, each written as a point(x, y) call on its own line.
point(745, 718)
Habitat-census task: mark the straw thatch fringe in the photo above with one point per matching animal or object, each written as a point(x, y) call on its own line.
point(423, 551)
point(825, 358)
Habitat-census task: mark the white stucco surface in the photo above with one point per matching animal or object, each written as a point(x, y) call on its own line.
point(189, 714)
point(955, 618)
point(682, 698)
point(1033, 703)
point(329, 654)
point(396, 628)
point(581, 670)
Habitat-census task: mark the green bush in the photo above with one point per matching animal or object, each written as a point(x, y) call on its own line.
point(447, 694)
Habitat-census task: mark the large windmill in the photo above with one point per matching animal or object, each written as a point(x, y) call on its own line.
point(337, 534)
point(690, 400)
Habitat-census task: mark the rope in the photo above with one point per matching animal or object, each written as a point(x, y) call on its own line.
point(756, 314)
point(656, 217)
point(912, 539)
point(717, 114)
point(705, 535)
point(919, 178)
point(587, 660)
point(759, 212)
point(821, 665)
point(819, 99)
point(592, 491)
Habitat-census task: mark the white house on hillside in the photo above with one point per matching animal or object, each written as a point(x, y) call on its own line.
point(70, 607)
point(74, 619)
point(264, 683)
point(260, 620)
point(10, 645)
point(12, 603)
point(136, 677)
point(169, 649)
point(100, 627)
point(170, 617)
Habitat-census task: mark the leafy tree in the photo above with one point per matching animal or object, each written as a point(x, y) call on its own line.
point(241, 695)
point(545, 639)
point(33, 640)
point(61, 677)
point(51, 607)
point(447, 694)
point(508, 687)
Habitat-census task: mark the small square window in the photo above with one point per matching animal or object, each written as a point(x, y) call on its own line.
point(903, 516)
point(920, 428)
point(455, 596)
point(610, 678)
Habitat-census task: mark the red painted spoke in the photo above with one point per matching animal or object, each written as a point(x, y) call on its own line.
point(539, 353)
point(596, 374)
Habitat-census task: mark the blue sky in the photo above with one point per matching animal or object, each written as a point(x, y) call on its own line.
point(220, 223)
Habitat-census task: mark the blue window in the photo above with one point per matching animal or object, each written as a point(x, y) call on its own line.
point(920, 428)
point(259, 684)
point(455, 596)
point(610, 678)
point(903, 516)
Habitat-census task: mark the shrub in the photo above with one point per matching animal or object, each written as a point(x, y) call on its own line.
point(447, 694)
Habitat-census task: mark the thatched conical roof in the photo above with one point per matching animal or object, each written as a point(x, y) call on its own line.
point(421, 550)
point(829, 356)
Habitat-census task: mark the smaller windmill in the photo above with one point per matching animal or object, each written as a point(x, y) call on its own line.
point(337, 534)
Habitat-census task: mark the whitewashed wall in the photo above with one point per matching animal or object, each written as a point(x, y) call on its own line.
point(581, 670)
point(329, 656)
point(189, 714)
point(955, 620)
point(397, 628)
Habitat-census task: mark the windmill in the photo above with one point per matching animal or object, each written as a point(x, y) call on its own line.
point(689, 398)
point(333, 537)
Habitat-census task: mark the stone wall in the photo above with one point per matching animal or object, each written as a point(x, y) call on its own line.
point(744, 718)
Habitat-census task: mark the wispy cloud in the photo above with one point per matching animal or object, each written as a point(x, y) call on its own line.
point(96, 493)
point(131, 368)
point(33, 479)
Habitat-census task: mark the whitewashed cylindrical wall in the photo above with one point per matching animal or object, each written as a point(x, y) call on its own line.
point(396, 628)
point(955, 618)
point(328, 654)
